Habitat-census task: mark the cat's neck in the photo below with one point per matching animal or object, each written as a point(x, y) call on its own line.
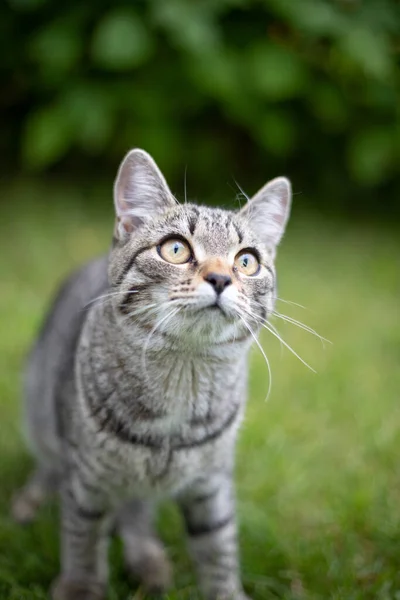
point(157, 347)
point(183, 387)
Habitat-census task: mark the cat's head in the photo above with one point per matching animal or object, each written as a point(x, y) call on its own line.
point(198, 275)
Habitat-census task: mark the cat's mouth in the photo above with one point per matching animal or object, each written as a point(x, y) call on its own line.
point(208, 306)
point(216, 305)
point(218, 308)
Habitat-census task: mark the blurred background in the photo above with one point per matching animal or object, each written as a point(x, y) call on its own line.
point(225, 87)
point(227, 91)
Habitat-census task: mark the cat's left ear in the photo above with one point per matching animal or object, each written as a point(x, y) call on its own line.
point(140, 192)
point(268, 211)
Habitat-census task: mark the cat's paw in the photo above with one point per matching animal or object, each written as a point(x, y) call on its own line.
point(23, 508)
point(68, 589)
point(148, 562)
point(27, 501)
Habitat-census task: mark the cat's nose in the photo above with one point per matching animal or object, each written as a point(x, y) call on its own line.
point(218, 281)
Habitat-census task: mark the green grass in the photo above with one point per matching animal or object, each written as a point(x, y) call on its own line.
point(317, 466)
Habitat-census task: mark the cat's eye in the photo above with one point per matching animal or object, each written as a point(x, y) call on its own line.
point(175, 251)
point(247, 263)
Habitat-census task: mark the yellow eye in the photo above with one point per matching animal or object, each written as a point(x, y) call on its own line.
point(247, 263)
point(175, 251)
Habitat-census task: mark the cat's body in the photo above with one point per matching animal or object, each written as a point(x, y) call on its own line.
point(137, 385)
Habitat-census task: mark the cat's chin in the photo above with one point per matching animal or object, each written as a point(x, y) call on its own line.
point(216, 310)
point(211, 310)
point(212, 315)
point(204, 327)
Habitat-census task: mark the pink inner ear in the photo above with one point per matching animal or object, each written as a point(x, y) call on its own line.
point(279, 217)
point(126, 223)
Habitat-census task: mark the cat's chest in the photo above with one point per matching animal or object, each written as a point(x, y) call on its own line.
point(122, 470)
point(186, 391)
point(160, 426)
point(169, 394)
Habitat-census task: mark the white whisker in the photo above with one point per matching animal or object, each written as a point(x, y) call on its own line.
point(290, 302)
point(293, 322)
point(301, 326)
point(277, 332)
point(184, 184)
point(171, 314)
point(242, 191)
point(266, 326)
point(262, 352)
point(110, 295)
point(148, 308)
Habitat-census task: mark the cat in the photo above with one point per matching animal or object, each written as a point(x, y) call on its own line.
point(136, 386)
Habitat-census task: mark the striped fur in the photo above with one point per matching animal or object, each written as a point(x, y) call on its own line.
point(136, 386)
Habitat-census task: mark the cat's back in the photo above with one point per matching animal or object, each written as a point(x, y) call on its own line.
point(50, 363)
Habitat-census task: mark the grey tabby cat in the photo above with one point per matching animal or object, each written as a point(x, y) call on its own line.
point(136, 387)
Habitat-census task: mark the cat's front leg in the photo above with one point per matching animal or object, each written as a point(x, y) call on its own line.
point(209, 512)
point(84, 543)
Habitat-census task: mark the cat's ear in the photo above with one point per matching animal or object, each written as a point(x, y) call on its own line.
point(268, 211)
point(140, 192)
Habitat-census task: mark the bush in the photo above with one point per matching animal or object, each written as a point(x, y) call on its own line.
point(307, 87)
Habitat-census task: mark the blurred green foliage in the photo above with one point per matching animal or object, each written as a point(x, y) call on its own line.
point(228, 87)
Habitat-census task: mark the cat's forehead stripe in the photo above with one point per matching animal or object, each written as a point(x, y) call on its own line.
point(213, 224)
point(238, 231)
point(193, 217)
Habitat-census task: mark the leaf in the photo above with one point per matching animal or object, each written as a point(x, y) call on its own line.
point(26, 5)
point(277, 132)
point(218, 78)
point(329, 105)
point(90, 114)
point(275, 72)
point(369, 50)
point(121, 41)
point(46, 138)
point(371, 153)
point(56, 47)
point(189, 25)
point(313, 17)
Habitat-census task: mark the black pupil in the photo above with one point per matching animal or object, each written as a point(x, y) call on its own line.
point(176, 248)
point(245, 261)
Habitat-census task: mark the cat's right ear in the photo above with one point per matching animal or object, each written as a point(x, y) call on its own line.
point(140, 193)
